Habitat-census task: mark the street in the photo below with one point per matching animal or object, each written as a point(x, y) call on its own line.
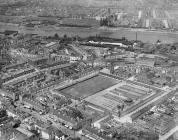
point(46, 118)
point(167, 135)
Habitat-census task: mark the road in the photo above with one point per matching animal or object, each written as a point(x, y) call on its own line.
point(167, 135)
point(57, 125)
point(97, 122)
point(50, 117)
point(20, 78)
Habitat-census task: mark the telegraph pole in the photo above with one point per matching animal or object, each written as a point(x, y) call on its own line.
point(136, 36)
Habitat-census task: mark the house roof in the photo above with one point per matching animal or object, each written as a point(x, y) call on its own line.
point(160, 80)
point(146, 62)
point(25, 132)
point(51, 130)
point(41, 124)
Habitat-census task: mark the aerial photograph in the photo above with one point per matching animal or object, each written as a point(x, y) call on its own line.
point(88, 69)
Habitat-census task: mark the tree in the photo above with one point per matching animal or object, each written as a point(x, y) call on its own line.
point(84, 107)
point(1, 82)
point(173, 47)
point(56, 36)
point(123, 38)
point(104, 22)
point(158, 41)
point(122, 107)
point(65, 36)
point(119, 110)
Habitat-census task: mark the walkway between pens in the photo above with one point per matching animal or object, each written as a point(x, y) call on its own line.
point(167, 135)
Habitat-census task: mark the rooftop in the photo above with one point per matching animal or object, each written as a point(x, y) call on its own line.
point(25, 132)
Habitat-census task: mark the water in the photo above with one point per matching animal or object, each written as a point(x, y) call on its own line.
point(145, 36)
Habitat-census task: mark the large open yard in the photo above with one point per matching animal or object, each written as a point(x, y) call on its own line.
point(128, 94)
point(88, 87)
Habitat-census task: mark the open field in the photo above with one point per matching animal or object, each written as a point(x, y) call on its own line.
point(80, 22)
point(87, 3)
point(88, 87)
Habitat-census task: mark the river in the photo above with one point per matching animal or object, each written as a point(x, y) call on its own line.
point(145, 36)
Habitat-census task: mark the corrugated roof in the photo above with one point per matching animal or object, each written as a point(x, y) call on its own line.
point(24, 131)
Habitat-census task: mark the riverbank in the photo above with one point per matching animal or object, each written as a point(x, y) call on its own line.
point(130, 34)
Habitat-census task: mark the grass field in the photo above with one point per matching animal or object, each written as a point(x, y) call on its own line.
point(89, 87)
